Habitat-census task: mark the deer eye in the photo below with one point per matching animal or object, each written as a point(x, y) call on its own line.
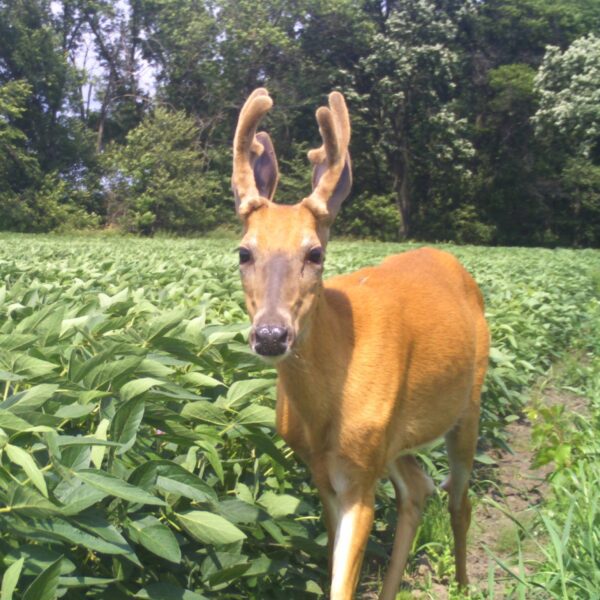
point(245, 255)
point(315, 255)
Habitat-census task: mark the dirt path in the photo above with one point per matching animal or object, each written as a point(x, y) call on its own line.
point(504, 508)
point(517, 488)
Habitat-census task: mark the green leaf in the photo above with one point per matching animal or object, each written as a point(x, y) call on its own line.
point(279, 505)
point(201, 380)
point(108, 373)
point(25, 461)
point(97, 455)
point(81, 582)
point(31, 399)
point(167, 591)
point(240, 390)
point(137, 387)
point(10, 579)
point(45, 585)
point(238, 511)
point(158, 539)
point(209, 528)
point(180, 488)
point(62, 530)
point(164, 323)
point(485, 460)
point(12, 422)
point(147, 475)
point(256, 414)
point(27, 500)
point(204, 411)
point(117, 487)
point(126, 422)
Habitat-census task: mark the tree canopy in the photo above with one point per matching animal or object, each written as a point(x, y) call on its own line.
point(476, 122)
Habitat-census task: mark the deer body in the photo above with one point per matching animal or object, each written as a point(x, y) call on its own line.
point(371, 365)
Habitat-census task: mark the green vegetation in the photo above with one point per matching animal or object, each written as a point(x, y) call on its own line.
point(137, 451)
point(473, 122)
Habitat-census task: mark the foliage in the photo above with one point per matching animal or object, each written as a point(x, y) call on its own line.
point(456, 112)
point(138, 455)
point(568, 120)
point(156, 179)
point(409, 79)
point(568, 84)
point(370, 217)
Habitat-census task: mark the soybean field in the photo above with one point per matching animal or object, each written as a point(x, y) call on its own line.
point(138, 456)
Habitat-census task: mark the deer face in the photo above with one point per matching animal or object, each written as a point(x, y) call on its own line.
point(283, 248)
point(281, 265)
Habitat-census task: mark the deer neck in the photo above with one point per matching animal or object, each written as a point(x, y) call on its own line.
point(313, 376)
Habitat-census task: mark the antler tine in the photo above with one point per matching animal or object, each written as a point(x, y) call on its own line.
point(330, 159)
point(246, 149)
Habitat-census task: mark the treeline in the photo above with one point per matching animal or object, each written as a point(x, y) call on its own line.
point(473, 121)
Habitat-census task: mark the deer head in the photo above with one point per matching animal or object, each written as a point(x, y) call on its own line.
point(283, 248)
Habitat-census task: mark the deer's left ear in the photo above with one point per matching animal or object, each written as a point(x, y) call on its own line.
point(342, 188)
point(266, 171)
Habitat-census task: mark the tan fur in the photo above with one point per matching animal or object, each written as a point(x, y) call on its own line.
point(382, 361)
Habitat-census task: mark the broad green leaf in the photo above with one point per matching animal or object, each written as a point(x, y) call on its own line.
point(221, 567)
point(180, 488)
point(31, 399)
point(164, 323)
point(240, 390)
point(107, 373)
point(238, 511)
point(484, 459)
point(201, 380)
point(203, 410)
point(28, 501)
point(25, 461)
point(159, 540)
point(79, 498)
point(209, 528)
point(138, 386)
point(126, 422)
point(256, 414)
point(98, 452)
point(117, 487)
point(12, 422)
point(10, 579)
point(279, 505)
point(81, 582)
point(45, 585)
point(147, 475)
point(60, 529)
point(167, 591)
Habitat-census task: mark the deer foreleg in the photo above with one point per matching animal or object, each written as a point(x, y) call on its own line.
point(352, 532)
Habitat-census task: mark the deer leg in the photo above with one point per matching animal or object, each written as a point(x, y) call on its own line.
point(331, 509)
point(461, 443)
point(412, 488)
point(355, 519)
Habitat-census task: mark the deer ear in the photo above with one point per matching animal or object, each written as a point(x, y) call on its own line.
point(266, 171)
point(342, 187)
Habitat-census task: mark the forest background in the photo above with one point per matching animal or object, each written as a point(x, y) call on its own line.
point(473, 121)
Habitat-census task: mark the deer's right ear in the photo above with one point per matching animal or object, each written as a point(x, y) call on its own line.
point(255, 171)
point(266, 171)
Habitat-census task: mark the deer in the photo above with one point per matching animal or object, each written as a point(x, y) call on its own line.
point(371, 365)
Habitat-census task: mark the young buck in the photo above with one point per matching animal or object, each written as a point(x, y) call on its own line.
point(371, 365)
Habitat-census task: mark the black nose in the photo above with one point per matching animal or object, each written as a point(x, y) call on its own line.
point(270, 340)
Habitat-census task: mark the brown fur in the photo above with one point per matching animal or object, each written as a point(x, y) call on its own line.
point(381, 361)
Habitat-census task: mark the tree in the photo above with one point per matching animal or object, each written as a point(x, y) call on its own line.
point(158, 179)
point(567, 121)
point(407, 85)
